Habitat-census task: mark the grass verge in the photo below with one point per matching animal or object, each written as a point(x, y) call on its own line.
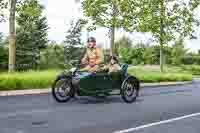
point(44, 79)
point(156, 76)
point(27, 80)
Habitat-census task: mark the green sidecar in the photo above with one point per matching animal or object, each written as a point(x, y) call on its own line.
point(98, 84)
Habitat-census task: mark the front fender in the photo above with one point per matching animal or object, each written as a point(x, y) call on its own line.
point(65, 75)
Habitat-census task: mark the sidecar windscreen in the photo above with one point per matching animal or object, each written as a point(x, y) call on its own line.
point(82, 75)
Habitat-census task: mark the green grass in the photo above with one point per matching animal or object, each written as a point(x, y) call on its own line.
point(44, 79)
point(151, 76)
point(27, 80)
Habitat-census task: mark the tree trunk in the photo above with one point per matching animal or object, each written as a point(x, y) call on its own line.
point(161, 57)
point(12, 37)
point(112, 41)
point(161, 35)
point(112, 37)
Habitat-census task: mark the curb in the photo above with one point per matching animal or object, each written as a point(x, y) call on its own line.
point(25, 92)
point(163, 84)
point(47, 91)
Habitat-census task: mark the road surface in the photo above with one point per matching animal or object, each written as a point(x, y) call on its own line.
point(160, 109)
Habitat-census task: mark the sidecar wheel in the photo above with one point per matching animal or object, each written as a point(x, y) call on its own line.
point(62, 90)
point(130, 89)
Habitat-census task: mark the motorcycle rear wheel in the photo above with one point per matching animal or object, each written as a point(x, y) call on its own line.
point(130, 90)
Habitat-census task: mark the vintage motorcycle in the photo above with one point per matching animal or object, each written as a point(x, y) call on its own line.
point(98, 84)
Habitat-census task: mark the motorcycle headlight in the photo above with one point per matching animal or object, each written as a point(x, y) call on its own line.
point(72, 70)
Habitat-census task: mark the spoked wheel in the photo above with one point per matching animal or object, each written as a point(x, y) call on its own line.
point(130, 89)
point(62, 90)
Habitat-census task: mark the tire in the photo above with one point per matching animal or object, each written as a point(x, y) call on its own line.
point(130, 89)
point(62, 90)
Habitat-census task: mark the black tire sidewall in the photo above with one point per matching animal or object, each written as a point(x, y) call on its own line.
point(71, 93)
point(123, 91)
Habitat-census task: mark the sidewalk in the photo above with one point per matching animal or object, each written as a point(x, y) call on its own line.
point(46, 91)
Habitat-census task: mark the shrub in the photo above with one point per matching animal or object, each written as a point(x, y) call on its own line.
point(189, 60)
point(194, 69)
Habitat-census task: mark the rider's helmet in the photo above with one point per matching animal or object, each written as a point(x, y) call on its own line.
point(91, 42)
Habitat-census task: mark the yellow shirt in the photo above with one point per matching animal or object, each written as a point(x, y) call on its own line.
point(94, 56)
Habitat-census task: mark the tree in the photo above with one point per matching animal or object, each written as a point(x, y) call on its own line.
point(3, 52)
point(104, 13)
point(126, 55)
point(31, 33)
point(73, 40)
point(1, 38)
point(165, 19)
point(178, 52)
point(52, 56)
point(12, 36)
point(133, 55)
point(123, 42)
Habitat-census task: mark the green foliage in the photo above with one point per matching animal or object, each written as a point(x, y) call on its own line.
point(3, 6)
point(178, 52)
point(126, 55)
point(31, 34)
point(191, 59)
point(123, 42)
point(178, 18)
point(194, 69)
point(52, 56)
point(73, 44)
point(3, 52)
point(140, 54)
point(99, 11)
point(166, 20)
point(148, 55)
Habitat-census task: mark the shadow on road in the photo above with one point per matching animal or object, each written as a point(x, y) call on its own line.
point(117, 99)
point(93, 100)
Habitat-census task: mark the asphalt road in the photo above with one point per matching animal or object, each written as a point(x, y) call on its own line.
point(41, 114)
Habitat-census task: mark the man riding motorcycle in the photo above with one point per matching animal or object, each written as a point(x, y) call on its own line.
point(91, 60)
point(93, 57)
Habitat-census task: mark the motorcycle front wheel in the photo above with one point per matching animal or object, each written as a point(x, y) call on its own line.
point(62, 90)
